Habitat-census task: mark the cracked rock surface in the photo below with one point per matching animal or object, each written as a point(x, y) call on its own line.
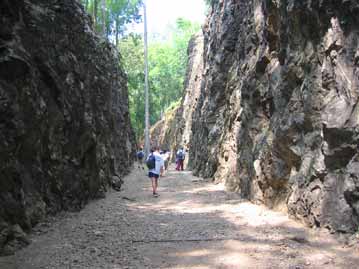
point(277, 119)
point(64, 120)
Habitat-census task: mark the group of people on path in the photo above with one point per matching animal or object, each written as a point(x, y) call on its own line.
point(157, 163)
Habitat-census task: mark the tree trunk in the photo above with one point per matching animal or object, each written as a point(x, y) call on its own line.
point(94, 14)
point(103, 14)
point(116, 31)
point(147, 113)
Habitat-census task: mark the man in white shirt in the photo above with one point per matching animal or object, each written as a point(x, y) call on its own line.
point(155, 172)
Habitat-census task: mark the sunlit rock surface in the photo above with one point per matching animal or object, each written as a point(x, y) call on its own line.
point(175, 129)
point(278, 115)
point(64, 121)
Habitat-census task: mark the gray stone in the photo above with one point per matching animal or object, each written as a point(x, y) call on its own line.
point(64, 118)
point(116, 183)
point(175, 129)
point(276, 117)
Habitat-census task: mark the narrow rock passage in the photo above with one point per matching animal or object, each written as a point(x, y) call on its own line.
point(193, 224)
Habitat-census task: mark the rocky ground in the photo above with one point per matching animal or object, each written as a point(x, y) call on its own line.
point(193, 224)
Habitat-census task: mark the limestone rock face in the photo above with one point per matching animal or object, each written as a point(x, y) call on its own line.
point(64, 121)
point(278, 115)
point(175, 129)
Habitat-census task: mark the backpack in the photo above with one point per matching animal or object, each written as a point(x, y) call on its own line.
point(140, 154)
point(151, 162)
point(180, 155)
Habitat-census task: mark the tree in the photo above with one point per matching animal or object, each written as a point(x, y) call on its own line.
point(147, 108)
point(132, 59)
point(168, 63)
point(94, 11)
point(167, 66)
point(114, 15)
point(103, 17)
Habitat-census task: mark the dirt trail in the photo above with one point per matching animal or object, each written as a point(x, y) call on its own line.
point(193, 224)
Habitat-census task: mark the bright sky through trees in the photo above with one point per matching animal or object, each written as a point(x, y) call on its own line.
point(162, 13)
point(171, 24)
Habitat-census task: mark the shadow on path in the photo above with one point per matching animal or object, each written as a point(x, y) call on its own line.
point(196, 224)
point(193, 224)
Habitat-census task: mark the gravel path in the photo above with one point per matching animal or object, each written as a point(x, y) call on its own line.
point(193, 224)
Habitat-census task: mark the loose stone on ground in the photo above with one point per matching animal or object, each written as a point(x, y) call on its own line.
point(193, 224)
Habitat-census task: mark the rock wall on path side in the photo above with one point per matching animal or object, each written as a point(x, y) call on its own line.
point(65, 132)
point(278, 115)
point(175, 129)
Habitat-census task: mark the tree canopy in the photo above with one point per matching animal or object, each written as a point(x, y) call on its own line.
point(110, 17)
point(167, 69)
point(167, 56)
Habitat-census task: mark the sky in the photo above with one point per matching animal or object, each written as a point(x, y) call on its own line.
point(161, 13)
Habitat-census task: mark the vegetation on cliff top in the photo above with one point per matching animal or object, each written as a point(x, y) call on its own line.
point(167, 56)
point(167, 64)
point(110, 17)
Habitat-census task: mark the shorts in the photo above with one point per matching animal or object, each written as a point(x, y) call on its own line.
point(150, 174)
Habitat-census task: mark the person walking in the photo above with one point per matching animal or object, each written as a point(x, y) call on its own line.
point(165, 154)
point(155, 165)
point(180, 157)
point(167, 159)
point(140, 155)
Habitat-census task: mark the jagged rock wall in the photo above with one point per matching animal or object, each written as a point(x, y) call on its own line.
point(64, 121)
point(278, 115)
point(175, 129)
point(164, 132)
point(192, 91)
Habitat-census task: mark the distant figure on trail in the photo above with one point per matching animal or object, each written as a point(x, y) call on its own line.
point(165, 154)
point(155, 165)
point(140, 155)
point(180, 157)
point(167, 160)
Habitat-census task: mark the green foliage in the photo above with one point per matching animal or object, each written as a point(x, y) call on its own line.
point(173, 105)
point(131, 49)
point(111, 16)
point(167, 69)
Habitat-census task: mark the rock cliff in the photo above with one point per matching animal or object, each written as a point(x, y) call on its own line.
point(278, 114)
point(175, 129)
point(64, 124)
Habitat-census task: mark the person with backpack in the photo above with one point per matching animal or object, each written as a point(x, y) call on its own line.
point(140, 155)
point(155, 165)
point(180, 157)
